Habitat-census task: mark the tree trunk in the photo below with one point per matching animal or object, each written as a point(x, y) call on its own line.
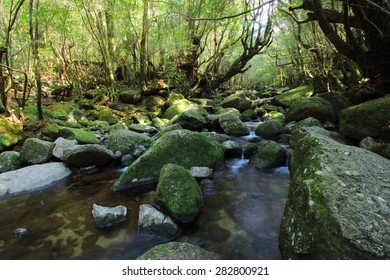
point(111, 65)
point(143, 44)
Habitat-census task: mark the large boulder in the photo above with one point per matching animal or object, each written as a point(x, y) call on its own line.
point(130, 96)
point(179, 107)
point(88, 155)
point(10, 161)
point(61, 145)
point(285, 99)
point(178, 192)
point(182, 147)
point(366, 119)
point(231, 125)
point(153, 221)
point(177, 251)
point(10, 133)
point(269, 154)
point(238, 101)
point(32, 178)
point(192, 119)
point(35, 151)
point(126, 141)
point(338, 201)
point(315, 107)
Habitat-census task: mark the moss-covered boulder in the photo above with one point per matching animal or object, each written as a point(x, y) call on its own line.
point(179, 194)
point(232, 125)
point(270, 129)
point(80, 135)
point(366, 119)
point(308, 122)
point(10, 134)
point(286, 98)
point(126, 141)
point(238, 101)
point(130, 96)
point(10, 161)
point(191, 119)
point(51, 131)
point(177, 251)
point(337, 206)
point(315, 107)
point(154, 104)
point(269, 154)
point(35, 151)
point(182, 147)
point(103, 113)
point(179, 107)
point(338, 100)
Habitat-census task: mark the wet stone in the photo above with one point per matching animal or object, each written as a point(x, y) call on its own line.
point(21, 232)
point(108, 216)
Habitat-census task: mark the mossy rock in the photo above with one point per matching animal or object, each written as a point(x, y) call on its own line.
point(174, 97)
point(308, 122)
point(238, 101)
point(104, 114)
point(130, 96)
point(126, 141)
point(191, 119)
point(80, 135)
point(154, 104)
point(315, 107)
point(158, 123)
point(179, 107)
point(177, 251)
point(60, 110)
point(35, 151)
point(336, 205)
point(179, 194)
point(270, 129)
point(10, 133)
point(366, 119)
point(181, 147)
point(10, 161)
point(269, 154)
point(249, 114)
point(232, 125)
point(285, 99)
point(51, 131)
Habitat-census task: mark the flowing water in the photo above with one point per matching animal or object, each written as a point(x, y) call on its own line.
point(240, 218)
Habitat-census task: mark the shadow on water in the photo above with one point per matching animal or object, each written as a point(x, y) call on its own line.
point(240, 218)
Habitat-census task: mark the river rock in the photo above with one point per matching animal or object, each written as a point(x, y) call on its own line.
point(270, 129)
point(366, 119)
point(61, 145)
point(108, 216)
point(178, 192)
point(338, 201)
point(238, 101)
point(126, 141)
point(80, 135)
point(285, 99)
point(310, 121)
point(21, 232)
point(182, 147)
point(32, 178)
point(231, 125)
point(10, 161)
point(177, 251)
point(35, 151)
point(192, 119)
point(201, 172)
point(269, 154)
point(232, 148)
point(315, 107)
point(367, 143)
point(152, 221)
point(88, 155)
point(130, 96)
point(178, 107)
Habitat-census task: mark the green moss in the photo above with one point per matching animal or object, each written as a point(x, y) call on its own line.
point(179, 107)
point(269, 129)
point(9, 161)
point(315, 107)
point(51, 130)
point(104, 114)
point(10, 133)
point(269, 155)
point(287, 98)
point(182, 147)
point(178, 192)
point(80, 135)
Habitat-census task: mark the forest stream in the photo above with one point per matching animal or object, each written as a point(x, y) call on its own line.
point(240, 218)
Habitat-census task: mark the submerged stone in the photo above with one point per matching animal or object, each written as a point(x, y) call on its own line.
point(108, 216)
point(177, 251)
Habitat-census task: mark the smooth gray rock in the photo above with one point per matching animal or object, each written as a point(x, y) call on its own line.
point(201, 172)
point(367, 143)
point(61, 145)
point(108, 216)
point(152, 221)
point(32, 178)
point(35, 151)
point(126, 141)
point(232, 148)
point(339, 200)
